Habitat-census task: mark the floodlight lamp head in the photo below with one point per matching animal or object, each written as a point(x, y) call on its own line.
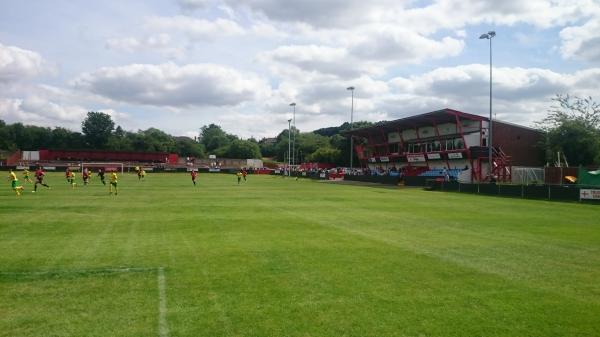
point(289, 120)
point(293, 104)
point(350, 88)
point(491, 34)
point(484, 36)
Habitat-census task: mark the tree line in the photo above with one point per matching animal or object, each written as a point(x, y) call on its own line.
point(98, 132)
point(571, 127)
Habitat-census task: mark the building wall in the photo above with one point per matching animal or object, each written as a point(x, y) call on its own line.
point(520, 143)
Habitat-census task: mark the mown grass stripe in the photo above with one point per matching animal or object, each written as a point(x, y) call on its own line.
point(163, 328)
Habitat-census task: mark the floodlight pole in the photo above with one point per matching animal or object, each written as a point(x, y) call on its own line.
point(293, 105)
point(351, 127)
point(489, 35)
point(289, 143)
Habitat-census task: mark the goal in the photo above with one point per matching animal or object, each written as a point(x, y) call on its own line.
point(107, 166)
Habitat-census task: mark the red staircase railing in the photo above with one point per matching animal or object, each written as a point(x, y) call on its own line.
point(501, 167)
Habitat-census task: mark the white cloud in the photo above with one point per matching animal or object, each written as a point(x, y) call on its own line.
point(317, 12)
point(38, 110)
point(520, 95)
point(400, 45)
point(369, 52)
point(437, 15)
point(193, 4)
point(198, 29)
point(318, 59)
point(131, 44)
point(161, 43)
point(51, 106)
point(582, 42)
point(308, 51)
point(176, 86)
point(17, 64)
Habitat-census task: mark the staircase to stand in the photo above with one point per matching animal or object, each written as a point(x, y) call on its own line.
point(501, 167)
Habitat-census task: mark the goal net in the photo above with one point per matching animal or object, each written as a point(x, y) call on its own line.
point(527, 175)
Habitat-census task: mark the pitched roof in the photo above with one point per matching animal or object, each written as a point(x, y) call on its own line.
point(445, 115)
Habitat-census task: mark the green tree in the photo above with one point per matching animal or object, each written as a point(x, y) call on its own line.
point(281, 146)
point(243, 149)
point(213, 137)
point(119, 141)
point(66, 139)
point(573, 128)
point(97, 128)
point(325, 155)
point(579, 143)
point(309, 142)
point(268, 147)
point(7, 141)
point(158, 141)
point(188, 147)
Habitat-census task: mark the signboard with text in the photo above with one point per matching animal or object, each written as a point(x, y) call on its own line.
point(415, 158)
point(455, 155)
point(589, 194)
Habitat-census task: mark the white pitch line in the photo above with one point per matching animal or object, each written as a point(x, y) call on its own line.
point(76, 271)
point(163, 328)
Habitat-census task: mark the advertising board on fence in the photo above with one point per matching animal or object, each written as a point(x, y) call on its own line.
point(455, 155)
point(589, 194)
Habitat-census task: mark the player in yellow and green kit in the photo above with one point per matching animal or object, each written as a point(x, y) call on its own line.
point(26, 176)
point(15, 183)
point(113, 182)
point(71, 178)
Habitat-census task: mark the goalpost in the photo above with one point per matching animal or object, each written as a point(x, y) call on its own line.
point(107, 166)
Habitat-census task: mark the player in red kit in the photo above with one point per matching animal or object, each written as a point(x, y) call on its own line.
point(194, 174)
point(39, 179)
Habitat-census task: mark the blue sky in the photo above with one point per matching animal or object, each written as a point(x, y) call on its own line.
point(181, 64)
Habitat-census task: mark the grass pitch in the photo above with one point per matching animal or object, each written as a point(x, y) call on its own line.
point(279, 257)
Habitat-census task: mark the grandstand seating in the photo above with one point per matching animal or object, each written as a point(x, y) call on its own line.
point(413, 171)
point(453, 173)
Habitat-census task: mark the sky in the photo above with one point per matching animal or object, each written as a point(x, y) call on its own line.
point(180, 64)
